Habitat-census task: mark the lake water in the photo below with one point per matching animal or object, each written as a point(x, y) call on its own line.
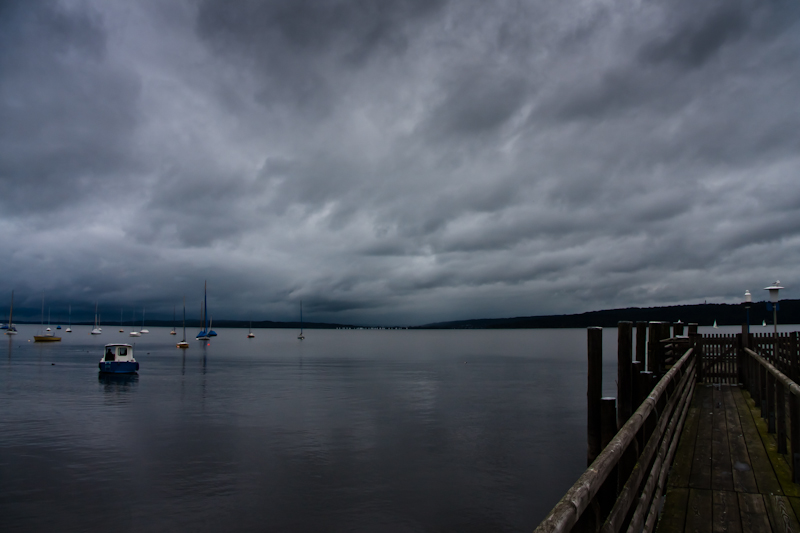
point(348, 430)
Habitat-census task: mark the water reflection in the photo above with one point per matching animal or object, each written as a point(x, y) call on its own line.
point(118, 383)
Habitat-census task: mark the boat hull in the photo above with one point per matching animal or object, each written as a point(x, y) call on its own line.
point(46, 338)
point(118, 367)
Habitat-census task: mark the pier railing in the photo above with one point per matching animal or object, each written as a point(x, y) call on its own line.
point(770, 371)
point(622, 488)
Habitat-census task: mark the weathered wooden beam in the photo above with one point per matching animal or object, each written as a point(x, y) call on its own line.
point(641, 343)
point(794, 409)
point(780, 425)
point(594, 390)
point(630, 490)
point(568, 510)
point(663, 468)
point(624, 375)
point(653, 344)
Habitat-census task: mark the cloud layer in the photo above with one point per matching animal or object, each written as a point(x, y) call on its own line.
point(398, 162)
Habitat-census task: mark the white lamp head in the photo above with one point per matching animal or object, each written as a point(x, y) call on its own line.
point(773, 291)
point(748, 297)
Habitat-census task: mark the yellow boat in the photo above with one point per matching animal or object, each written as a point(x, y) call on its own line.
point(46, 338)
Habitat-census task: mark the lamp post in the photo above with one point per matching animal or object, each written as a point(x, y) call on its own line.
point(748, 298)
point(773, 298)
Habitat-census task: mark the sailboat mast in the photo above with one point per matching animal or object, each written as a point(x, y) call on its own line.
point(184, 319)
point(11, 313)
point(205, 305)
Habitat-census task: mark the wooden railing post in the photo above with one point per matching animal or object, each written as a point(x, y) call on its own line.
point(762, 390)
point(781, 412)
point(677, 329)
point(696, 341)
point(794, 409)
point(624, 368)
point(740, 373)
point(641, 343)
point(608, 492)
point(653, 343)
point(594, 391)
point(770, 402)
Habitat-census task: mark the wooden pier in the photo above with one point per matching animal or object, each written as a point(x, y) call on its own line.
point(698, 439)
point(727, 474)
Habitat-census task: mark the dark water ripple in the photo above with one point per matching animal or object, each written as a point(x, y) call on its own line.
point(345, 431)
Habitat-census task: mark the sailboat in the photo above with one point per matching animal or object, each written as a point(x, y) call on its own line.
point(45, 337)
point(250, 333)
point(764, 323)
point(96, 329)
point(301, 336)
point(715, 325)
point(121, 330)
point(69, 322)
point(183, 343)
point(203, 335)
point(143, 331)
point(133, 332)
point(173, 322)
point(11, 330)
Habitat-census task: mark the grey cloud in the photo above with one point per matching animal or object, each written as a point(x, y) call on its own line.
point(66, 114)
point(700, 36)
point(477, 100)
point(396, 161)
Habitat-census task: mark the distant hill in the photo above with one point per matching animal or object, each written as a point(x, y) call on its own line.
point(216, 324)
point(702, 314)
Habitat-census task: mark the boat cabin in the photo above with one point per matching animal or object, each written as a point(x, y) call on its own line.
point(118, 352)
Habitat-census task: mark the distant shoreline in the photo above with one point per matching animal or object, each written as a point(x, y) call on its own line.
point(702, 314)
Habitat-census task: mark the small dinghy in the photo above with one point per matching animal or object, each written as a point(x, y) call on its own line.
point(118, 359)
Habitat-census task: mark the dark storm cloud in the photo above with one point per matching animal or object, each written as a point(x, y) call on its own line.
point(296, 47)
point(399, 161)
point(66, 114)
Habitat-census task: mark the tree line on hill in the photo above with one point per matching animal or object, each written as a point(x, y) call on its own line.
point(701, 314)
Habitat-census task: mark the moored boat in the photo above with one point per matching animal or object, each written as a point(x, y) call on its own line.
point(44, 336)
point(10, 329)
point(96, 330)
point(118, 359)
point(205, 333)
point(183, 343)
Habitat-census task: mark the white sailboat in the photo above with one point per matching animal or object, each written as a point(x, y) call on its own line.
point(143, 331)
point(764, 323)
point(301, 336)
point(250, 333)
point(183, 343)
point(69, 322)
point(173, 322)
point(133, 332)
point(11, 329)
point(96, 329)
point(715, 325)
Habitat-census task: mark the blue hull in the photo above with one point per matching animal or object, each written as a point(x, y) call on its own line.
point(118, 367)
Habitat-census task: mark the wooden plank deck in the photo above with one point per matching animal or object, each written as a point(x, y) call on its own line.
point(727, 474)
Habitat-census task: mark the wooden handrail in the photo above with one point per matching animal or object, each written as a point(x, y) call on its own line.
point(569, 509)
point(631, 489)
point(780, 376)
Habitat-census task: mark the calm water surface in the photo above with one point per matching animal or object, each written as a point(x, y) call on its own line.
point(344, 431)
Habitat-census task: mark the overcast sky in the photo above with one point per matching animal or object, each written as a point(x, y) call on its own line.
point(397, 162)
